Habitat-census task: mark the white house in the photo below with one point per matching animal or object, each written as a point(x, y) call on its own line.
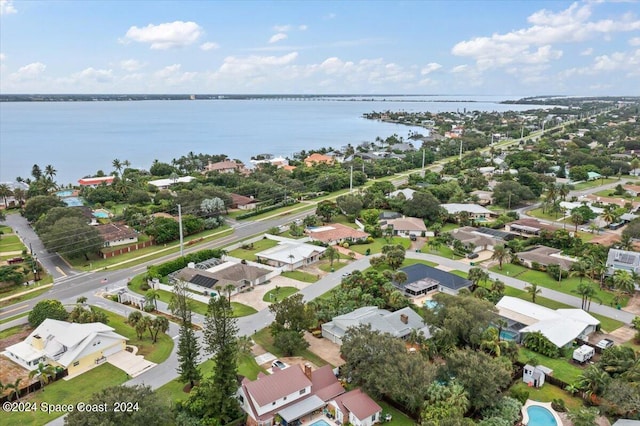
point(475, 211)
point(407, 226)
point(355, 407)
point(166, 183)
point(76, 347)
point(407, 193)
point(291, 255)
point(533, 376)
point(560, 326)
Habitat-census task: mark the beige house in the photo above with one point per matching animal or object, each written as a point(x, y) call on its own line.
point(75, 347)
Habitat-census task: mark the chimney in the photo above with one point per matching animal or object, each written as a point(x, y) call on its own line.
point(307, 370)
point(404, 318)
point(37, 342)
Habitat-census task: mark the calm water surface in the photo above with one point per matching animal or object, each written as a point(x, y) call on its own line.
point(79, 138)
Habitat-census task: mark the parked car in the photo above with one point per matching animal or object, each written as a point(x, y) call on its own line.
point(15, 260)
point(413, 237)
point(279, 364)
point(605, 343)
point(472, 255)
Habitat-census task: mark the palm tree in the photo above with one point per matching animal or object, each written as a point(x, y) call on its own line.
point(577, 219)
point(15, 388)
point(117, 165)
point(476, 275)
point(626, 242)
point(563, 191)
point(623, 281)
point(533, 291)
point(587, 292)
point(36, 172)
point(19, 194)
point(44, 373)
point(5, 191)
point(501, 254)
point(579, 269)
point(593, 381)
point(151, 296)
point(50, 171)
point(332, 254)
point(583, 416)
point(291, 257)
point(608, 215)
point(229, 288)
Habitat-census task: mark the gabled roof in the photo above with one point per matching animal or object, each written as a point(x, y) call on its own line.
point(241, 200)
point(380, 320)
point(358, 403)
point(407, 193)
point(281, 383)
point(547, 256)
point(114, 232)
point(224, 165)
point(160, 183)
point(317, 158)
point(335, 232)
point(407, 224)
point(455, 208)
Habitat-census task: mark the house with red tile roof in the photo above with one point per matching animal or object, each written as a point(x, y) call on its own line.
point(243, 203)
point(335, 233)
point(316, 158)
point(291, 393)
point(96, 181)
point(226, 166)
point(355, 407)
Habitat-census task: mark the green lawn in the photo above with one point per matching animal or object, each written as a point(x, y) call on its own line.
point(24, 314)
point(459, 273)
point(11, 243)
point(326, 266)
point(283, 293)
point(562, 368)
point(408, 262)
point(301, 276)
point(376, 246)
point(547, 393)
point(155, 352)
point(448, 227)
point(13, 330)
point(342, 219)
point(240, 310)
point(595, 183)
point(67, 392)
point(282, 211)
point(250, 253)
point(538, 213)
point(6, 229)
point(264, 339)
point(398, 418)
point(611, 193)
point(568, 285)
point(22, 297)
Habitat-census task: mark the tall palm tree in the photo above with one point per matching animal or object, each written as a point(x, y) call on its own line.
point(593, 381)
point(579, 269)
point(608, 215)
point(50, 171)
point(332, 254)
point(563, 191)
point(5, 191)
point(117, 165)
point(229, 288)
point(151, 296)
point(501, 254)
point(36, 172)
point(577, 219)
point(533, 291)
point(19, 194)
point(44, 373)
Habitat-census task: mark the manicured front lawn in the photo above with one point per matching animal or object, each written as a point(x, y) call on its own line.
point(240, 310)
point(442, 251)
point(72, 391)
point(459, 273)
point(264, 339)
point(546, 215)
point(11, 243)
point(562, 367)
point(594, 183)
point(547, 393)
point(567, 285)
point(249, 253)
point(378, 243)
point(26, 296)
point(13, 330)
point(301, 276)
point(326, 266)
point(155, 352)
point(398, 418)
point(282, 293)
point(408, 262)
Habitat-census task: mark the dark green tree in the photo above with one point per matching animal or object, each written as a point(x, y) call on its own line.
point(292, 317)
point(44, 309)
point(39, 205)
point(72, 237)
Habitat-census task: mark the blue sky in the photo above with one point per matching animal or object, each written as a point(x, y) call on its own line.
point(514, 48)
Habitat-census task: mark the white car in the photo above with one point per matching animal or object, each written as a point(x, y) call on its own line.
point(279, 364)
point(605, 343)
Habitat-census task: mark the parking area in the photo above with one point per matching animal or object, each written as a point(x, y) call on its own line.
point(132, 364)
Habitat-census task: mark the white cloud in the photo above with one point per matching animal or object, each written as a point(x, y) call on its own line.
point(209, 45)
point(2, 57)
point(431, 67)
point(131, 65)
point(547, 28)
point(29, 72)
point(167, 35)
point(587, 52)
point(277, 37)
point(7, 7)
point(635, 41)
point(460, 68)
point(173, 75)
point(93, 75)
point(303, 27)
point(282, 28)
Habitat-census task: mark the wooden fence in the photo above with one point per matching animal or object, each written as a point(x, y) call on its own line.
point(122, 250)
point(32, 387)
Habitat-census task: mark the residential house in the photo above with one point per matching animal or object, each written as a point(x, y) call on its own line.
point(560, 326)
point(166, 183)
point(226, 166)
point(475, 240)
point(407, 226)
point(269, 159)
point(316, 158)
point(96, 181)
point(622, 260)
point(545, 256)
point(485, 198)
point(290, 394)
point(407, 193)
point(529, 227)
point(402, 147)
point(398, 324)
point(75, 347)
point(243, 203)
point(633, 190)
point(291, 255)
point(355, 407)
point(114, 234)
point(475, 211)
point(423, 279)
point(389, 215)
point(620, 202)
point(240, 275)
point(335, 233)
point(533, 376)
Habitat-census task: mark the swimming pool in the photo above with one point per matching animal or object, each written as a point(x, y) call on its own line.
point(430, 304)
point(320, 422)
point(101, 213)
point(540, 416)
point(508, 335)
point(66, 193)
point(73, 201)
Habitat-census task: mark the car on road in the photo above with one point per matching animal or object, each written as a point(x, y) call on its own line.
point(472, 255)
point(278, 364)
point(605, 343)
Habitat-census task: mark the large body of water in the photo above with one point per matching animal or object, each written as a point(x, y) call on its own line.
point(79, 138)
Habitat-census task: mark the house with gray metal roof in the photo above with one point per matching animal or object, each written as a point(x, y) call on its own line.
point(622, 260)
point(423, 279)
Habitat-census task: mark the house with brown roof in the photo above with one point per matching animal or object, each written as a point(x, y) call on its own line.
point(226, 166)
point(407, 226)
point(620, 202)
point(96, 181)
point(241, 276)
point(335, 233)
point(316, 158)
point(633, 190)
point(529, 227)
point(290, 393)
point(243, 203)
point(355, 407)
point(114, 234)
point(545, 256)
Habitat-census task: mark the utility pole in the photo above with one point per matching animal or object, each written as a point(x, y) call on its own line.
point(180, 227)
point(460, 156)
point(422, 162)
point(351, 180)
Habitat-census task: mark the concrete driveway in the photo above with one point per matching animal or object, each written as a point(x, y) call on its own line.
point(130, 363)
